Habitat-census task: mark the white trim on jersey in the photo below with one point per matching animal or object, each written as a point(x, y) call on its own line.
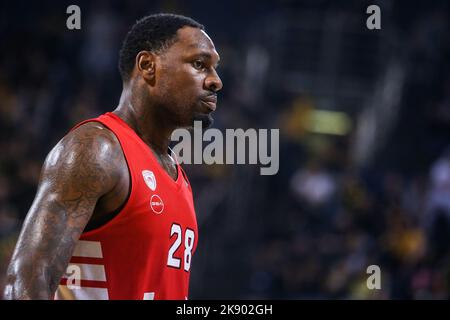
point(149, 296)
point(84, 293)
point(88, 249)
point(88, 271)
point(77, 272)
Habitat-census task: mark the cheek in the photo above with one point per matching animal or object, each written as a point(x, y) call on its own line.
point(189, 81)
point(180, 88)
point(186, 90)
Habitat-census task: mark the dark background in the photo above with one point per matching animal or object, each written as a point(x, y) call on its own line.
point(374, 191)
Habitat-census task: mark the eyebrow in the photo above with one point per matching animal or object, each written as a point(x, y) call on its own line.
point(205, 54)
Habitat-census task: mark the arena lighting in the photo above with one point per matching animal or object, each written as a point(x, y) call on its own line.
point(329, 122)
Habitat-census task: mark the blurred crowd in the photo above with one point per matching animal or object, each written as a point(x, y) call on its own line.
point(310, 231)
point(336, 223)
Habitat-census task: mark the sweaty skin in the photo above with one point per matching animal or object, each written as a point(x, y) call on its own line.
point(85, 180)
point(85, 167)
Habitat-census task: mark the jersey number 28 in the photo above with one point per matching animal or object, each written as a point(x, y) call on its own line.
point(189, 236)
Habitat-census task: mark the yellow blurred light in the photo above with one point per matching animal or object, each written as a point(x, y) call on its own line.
point(329, 122)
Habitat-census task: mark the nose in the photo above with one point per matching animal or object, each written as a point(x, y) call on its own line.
point(213, 82)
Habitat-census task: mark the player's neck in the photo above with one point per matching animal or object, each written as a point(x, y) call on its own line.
point(154, 132)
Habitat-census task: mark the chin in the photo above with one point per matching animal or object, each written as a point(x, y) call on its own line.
point(206, 119)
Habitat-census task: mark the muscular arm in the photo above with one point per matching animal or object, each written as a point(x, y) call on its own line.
point(81, 168)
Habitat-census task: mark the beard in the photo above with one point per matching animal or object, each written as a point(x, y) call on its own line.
point(206, 119)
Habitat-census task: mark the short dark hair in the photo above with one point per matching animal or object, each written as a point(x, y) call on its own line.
point(154, 33)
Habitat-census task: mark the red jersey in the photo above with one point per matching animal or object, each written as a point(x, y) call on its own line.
point(145, 251)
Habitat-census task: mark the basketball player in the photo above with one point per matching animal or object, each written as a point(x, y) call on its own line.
point(113, 217)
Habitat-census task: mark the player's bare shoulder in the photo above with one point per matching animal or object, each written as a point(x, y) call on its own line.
point(83, 166)
point(91, 154)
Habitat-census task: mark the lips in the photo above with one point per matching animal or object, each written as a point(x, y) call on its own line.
point(210, 102)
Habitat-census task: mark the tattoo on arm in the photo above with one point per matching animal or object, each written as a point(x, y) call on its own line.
point(81, 168)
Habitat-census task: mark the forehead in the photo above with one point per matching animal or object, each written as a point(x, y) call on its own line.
point(192, 40)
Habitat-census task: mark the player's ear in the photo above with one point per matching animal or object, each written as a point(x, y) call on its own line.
point(145, 64)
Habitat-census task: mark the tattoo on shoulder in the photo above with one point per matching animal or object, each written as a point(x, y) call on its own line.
point(82, 167)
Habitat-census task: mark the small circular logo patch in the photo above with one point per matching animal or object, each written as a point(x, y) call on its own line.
point(156, 204)
point(149, 178)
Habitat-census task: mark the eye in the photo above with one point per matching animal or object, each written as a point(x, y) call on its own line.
point(198, 64)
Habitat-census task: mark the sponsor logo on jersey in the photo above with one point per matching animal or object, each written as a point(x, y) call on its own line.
point(149, 178)
point(156, 204)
